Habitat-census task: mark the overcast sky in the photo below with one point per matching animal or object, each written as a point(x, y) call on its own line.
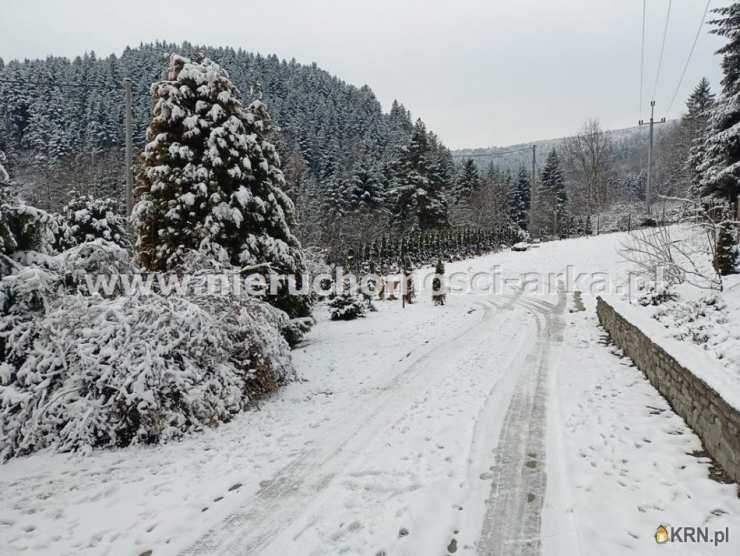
point(480, 73)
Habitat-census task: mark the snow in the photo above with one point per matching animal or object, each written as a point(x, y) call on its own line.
point(188, 198)
point(698, 326)
point(705, 365)
point(91, 371)
point(627, 458)
point(489, 423)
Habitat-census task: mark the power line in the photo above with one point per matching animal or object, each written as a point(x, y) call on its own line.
point(662, 47)
point(691, 53)
point(642, 54)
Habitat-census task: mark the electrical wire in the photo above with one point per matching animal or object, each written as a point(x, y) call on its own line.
point(688, 60)
point(662, 47)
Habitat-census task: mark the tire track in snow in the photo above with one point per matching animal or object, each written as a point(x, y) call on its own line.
point(283, 499)
point(513, 515)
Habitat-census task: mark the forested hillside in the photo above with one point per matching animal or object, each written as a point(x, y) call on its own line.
point(353, 172)
point(627, 157)
point(61, 126)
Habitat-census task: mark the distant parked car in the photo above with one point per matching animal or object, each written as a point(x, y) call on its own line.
point(521, 246)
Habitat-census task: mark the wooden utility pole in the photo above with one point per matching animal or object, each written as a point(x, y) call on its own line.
point(649, 186)
point(129, 125)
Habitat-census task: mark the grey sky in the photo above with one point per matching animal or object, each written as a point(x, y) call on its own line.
point(480, 73)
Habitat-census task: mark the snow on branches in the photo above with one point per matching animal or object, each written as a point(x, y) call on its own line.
point(81, 370)
point(211, 179)
point(86, 218)
point(4, 175)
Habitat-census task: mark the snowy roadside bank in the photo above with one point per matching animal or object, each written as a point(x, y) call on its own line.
point(701, 362)
point(131, 500)
point(626, 462)
point(693, 385)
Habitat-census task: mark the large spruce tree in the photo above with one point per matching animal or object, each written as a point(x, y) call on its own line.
point(694, 123)
point(469, 179)
point(364, 191)
point(519, 200)
point(211, 180)
point(418, 192)
point(551, 194)
point(720, 167)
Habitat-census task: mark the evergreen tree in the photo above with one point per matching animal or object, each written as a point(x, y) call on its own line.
point(346, 305)
point(720, 166)
point(700, 102)
point(694, 123)
point(211, 180)
point(85, 218)
point(469, 180)
point(519, 199)
point(4, 175)
point(6, 186)
point(364, 192)
point(551, 196)
point(419, 198)
point(330, 123)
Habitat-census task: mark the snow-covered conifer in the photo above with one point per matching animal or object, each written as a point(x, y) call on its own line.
point(519, 199)
point(4, 175)
point(551, 196)
point(720, 167)
point(24, 228)
point(419, 196)
point(86, 218)
point(79, 371)
point(469, 180)
point(696, 125)
point(211, 180)
point(364, 191)
point(346, 305)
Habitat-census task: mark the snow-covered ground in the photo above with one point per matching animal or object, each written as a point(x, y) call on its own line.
point(497, 424)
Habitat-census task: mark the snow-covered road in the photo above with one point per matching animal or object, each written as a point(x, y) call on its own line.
point(493, 425)
point(454, 434)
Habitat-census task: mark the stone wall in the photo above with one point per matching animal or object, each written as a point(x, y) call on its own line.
point(714, 420)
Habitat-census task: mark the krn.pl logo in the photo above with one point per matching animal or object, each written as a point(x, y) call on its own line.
point(691, 534)
point(661, 535)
